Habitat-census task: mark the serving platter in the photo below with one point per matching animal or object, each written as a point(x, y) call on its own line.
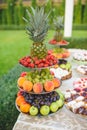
point(74, 114)
point(39, 115)
point(43, 92)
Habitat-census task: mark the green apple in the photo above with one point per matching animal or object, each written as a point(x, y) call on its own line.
point(44, 110)
point(60, 102)
point(53, 107)
point(33, 111)
point(61, 96)
point(63, 66)
point(68, 66)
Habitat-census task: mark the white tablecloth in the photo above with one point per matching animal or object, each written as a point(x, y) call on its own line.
point(61, 120)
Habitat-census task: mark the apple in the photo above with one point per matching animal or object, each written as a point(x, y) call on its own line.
point(60, 102)
point(44, 110)
point(33, 111)
point(68, 66)
point(54, 106)
point(61, 96)
point(63, 66)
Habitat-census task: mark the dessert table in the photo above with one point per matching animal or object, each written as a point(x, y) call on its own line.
point(61, 120)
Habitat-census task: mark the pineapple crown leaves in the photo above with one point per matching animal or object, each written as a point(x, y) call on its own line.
point(58, 23)
point(37, 24)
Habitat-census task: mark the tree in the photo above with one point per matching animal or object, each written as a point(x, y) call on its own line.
point(77, 13)
point(10, 11)
point(85, 14)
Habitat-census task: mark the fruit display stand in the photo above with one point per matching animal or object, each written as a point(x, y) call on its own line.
point(61, 120)
point(59, 51)
point(37, 95)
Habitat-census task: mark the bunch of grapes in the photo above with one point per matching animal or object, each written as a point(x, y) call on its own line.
point(41, 99)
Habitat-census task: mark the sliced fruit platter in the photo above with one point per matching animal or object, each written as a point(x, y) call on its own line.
point(82, 69)
point(80, 83)
point(62, 70)
point(34, 62)
point(76, 99)
point(37, 82)
point(59, 43)
point(40, 105)
point(80, 56)
point(60, 53)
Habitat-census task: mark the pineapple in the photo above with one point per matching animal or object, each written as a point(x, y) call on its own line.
point(37, 27)
point(58, 24)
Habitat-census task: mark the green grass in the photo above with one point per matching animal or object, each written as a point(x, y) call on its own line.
point(16, 44)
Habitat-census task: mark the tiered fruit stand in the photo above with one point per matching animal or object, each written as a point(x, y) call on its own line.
point(37, 89)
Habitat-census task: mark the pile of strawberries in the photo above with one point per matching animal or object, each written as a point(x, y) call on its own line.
point(53, 41)
point(30, 62)
point(62, 42)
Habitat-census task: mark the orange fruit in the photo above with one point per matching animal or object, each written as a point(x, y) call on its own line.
point(21, 81)
point(56, 82)
point(59, 56)
point(19, 100)
point(38, 88)
point(27, 85)
point(25, 107)
point(48, 86)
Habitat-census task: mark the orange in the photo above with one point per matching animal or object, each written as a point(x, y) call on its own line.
point(21, 81)
point(56, 82)
point(59, 56)
point(38, 88)
point(48, 86)
point(19, 100)
point(25, 107)
point(27, 85)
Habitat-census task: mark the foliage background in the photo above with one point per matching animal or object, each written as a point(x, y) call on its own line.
point(14, 11)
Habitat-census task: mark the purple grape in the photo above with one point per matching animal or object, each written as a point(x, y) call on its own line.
point(81, 110)
point(84, 94)
point(85, 89)
point(75, 96)
point(68, 99)
point(85, 112)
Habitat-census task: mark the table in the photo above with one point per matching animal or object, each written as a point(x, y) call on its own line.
point(61, 120)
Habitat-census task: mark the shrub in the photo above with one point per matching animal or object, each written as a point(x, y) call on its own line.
point(85, 14)
point(8, 91)
point(80, 27)
point(79, 43)
point(77, 12)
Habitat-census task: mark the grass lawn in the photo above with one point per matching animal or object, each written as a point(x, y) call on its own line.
point(16, 44)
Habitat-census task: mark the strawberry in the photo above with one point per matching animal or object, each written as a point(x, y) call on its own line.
point(49, 52)
point(28, 60)
point(23, 74)
point(39, 66)
point(34, 58)
point(43, 60)
point(37, 62)
point(31, 65)
point(50, 63)
point(52, 73)
point(25, 64)
point(45, 65)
